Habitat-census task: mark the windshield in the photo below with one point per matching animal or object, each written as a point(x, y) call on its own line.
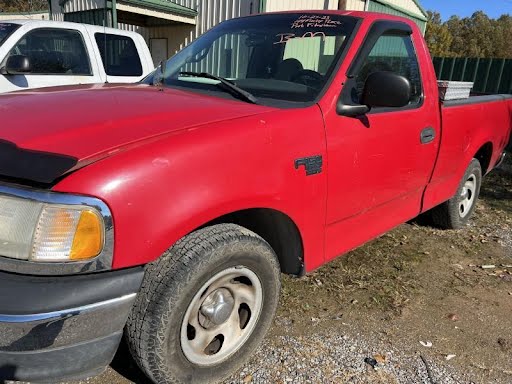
point(5, 31)
point(286, 56)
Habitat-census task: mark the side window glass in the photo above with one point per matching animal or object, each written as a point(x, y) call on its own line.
point(119, 55)
point(394, 54)
point(54, 52)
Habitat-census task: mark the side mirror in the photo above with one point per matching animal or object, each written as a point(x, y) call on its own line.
point(17, 65)
point(386, 89)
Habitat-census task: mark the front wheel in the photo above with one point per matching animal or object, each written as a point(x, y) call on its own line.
point(455, 213)
point(204, 306)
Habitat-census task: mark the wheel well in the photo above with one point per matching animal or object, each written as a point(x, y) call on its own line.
point(277, 229)
point(484, 156)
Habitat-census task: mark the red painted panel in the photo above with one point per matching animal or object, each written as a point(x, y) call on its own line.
point(163, 190)
point(466, 129)
point(378, 168)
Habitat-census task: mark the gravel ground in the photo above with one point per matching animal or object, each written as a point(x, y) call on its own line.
point(339, 359)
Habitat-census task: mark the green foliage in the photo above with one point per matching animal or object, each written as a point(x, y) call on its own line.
point(23, 5)
point(438, 36)
point(475, 36)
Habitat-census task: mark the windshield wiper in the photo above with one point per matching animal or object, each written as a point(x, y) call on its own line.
point(247, 96)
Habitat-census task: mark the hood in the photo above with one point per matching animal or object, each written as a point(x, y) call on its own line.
point(46, 133)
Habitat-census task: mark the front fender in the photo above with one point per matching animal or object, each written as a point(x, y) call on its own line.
point(167, 188)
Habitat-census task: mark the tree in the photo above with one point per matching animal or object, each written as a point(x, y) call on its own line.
point(479, 32)
point(475, 36)
point(503, 33)
point(438, 37)
point(455, 26)
point(23, 5)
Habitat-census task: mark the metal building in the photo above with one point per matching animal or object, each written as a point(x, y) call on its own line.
point(169, 25)
point(406, 8)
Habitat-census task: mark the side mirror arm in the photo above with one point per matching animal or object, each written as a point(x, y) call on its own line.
point(351, 110)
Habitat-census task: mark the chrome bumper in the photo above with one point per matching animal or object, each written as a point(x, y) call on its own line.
point(68, 343)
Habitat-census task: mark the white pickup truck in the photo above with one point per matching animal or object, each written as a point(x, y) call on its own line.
point(36, 54)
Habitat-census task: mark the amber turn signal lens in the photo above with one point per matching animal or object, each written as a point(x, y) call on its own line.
point(88, 240)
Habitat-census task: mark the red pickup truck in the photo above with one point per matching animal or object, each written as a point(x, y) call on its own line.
point(166, 210)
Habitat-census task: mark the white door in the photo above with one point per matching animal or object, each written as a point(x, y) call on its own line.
point(56, 56)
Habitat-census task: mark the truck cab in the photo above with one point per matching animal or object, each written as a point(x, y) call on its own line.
point(37, 54)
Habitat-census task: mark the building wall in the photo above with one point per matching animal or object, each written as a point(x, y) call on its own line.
point(391, 7)
point(30, 16)
point(355, 5)
point(178, 35)
point(83, 5)
point(210, 13)
point(288, 5)
point(408, 5)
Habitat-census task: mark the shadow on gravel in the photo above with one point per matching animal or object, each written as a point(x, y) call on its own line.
point(497, 187)
point(423, 220)
point(125, 366)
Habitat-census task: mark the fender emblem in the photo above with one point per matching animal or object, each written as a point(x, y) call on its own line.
point(312, 165)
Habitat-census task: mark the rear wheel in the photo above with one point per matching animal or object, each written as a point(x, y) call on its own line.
point(455, 213)
point(204, 306)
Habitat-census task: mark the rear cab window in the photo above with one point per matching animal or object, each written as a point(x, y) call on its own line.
point(119, 55)
point(6, 30)
point(54, 51)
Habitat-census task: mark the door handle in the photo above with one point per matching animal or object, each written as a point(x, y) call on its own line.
point(427, 135)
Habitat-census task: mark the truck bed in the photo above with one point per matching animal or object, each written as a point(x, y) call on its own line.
point(478, 125)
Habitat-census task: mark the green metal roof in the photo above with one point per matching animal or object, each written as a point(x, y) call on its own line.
point(159, 5)
point(421, 8)
point(403, 11)
point(164, 5)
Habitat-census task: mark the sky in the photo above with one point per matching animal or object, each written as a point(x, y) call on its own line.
point(463, 8)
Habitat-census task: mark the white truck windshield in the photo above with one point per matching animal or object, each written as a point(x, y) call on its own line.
point(6, 29)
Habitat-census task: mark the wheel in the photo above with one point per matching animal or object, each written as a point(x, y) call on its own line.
point(455, 213)
point(204, 306)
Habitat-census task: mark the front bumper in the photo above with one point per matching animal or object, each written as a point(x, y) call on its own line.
point(62, 328)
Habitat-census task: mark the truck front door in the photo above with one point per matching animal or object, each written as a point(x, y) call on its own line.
point(57, 56)
point(379, 163)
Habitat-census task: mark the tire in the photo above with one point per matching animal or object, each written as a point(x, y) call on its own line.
point(220, 282)
point(455, 213)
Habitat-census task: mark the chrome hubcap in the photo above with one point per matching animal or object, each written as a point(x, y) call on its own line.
point(216, 308)
point(221, 316)
point(467, 196)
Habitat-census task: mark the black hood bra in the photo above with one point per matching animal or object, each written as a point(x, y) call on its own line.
point(36, 166)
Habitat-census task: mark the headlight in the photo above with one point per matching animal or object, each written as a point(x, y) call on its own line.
point(37, 231)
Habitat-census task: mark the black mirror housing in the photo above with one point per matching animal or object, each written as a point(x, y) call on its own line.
point(17, 65)
point(351, 110)
point(386, 89)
